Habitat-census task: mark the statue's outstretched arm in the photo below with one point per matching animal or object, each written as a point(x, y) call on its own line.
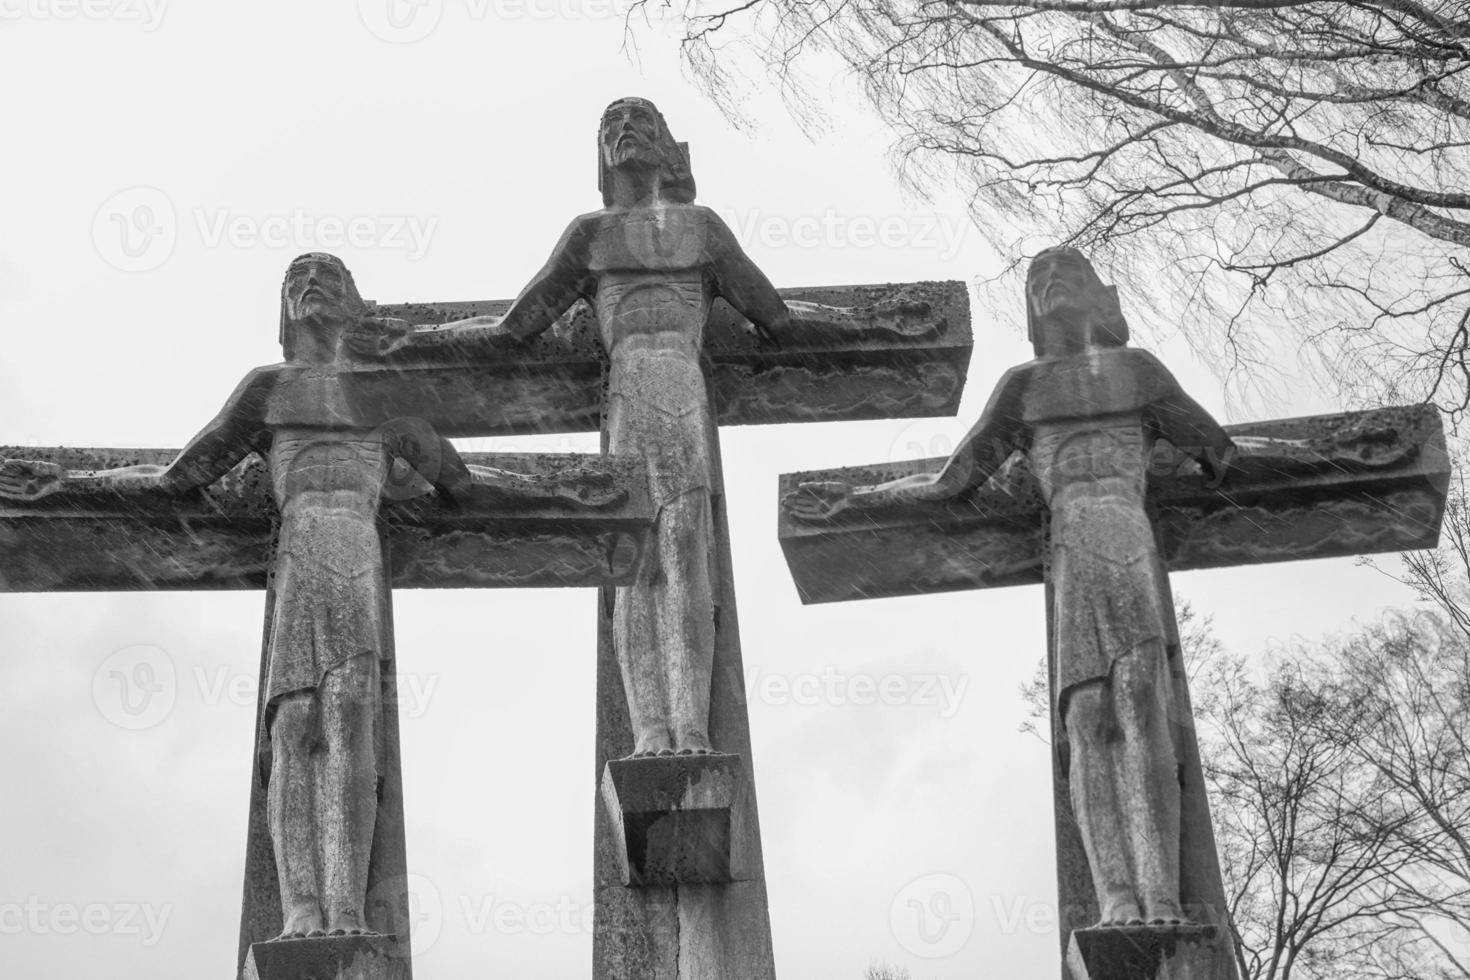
point(1186, 424)
point(1190, 428)
point(583, 487)
point(998, 434)
point(745, 287)
point(742, 284)
point(237, 431)
point(559, 283)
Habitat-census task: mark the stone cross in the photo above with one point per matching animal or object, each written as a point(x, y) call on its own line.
point(345, 500)
point(1092, 472)
point(650, 321)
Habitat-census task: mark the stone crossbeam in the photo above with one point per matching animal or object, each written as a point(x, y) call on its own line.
point(221, 537)
point(1257, 514)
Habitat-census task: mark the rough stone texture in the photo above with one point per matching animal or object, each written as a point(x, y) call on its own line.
point(330, 958)
point(678, 818)
point(325, 850)
point(994, 537)
point(647, 286)
point(556, 384)
point(1088, 415)
point(1145, 953)
point(681, 932)
point(220, 538)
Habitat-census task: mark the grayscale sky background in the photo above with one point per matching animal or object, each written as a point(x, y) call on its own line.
point(163, 165)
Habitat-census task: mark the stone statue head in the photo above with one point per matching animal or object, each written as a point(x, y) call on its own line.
point(318, 293)
point(633, 134)
point(1068, 308)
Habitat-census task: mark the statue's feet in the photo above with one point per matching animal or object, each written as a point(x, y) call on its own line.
point(303, 922)
point(1166, 913)
point(1120, 910)
point(348, 922)
point(693, 743)
point(653, 744)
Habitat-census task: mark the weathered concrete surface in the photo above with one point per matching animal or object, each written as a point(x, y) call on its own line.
point(679, 818)
point(329, 958)
point(681, 932)
point(556, 384)
point(1092, 470)
point(220, 538)
point(1148, 953)
point(1257, 515)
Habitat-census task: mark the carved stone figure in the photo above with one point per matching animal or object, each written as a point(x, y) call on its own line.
point(332, 461)
point(650, 263)
point(1087, 410)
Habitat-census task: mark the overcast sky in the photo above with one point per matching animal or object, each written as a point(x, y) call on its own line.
point(164, 164)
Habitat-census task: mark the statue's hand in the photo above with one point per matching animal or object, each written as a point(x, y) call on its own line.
point(914, 318)
point(592, 488)
point(28, 479)
point(818, 501)
point(375, 337)
point(1372, 446)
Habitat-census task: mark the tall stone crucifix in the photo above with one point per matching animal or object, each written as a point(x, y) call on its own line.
point(680, 332)
point(311, 483)
point(1092, 471)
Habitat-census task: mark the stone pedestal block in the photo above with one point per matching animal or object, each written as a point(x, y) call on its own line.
point(1192, 952)
point(328, 958)
point(679, 818)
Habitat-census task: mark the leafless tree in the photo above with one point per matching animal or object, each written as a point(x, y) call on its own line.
point(1339, 781)
point(1296, 170)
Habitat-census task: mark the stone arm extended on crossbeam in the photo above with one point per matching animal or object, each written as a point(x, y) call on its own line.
point(554, 382)
point(1317, 487)
point(220, 536)
point(992, 441)
point(232, 435)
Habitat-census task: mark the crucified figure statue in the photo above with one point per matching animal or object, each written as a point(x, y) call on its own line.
point(651, 262)
point(332, 460)
point(1086, 413)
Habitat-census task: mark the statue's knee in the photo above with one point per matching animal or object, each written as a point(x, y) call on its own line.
point(1137, 681)
point(1087, 717)
point(348, 699)
point(291, 725)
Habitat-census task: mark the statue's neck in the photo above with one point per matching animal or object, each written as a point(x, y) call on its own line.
point(317, 348)
point(636, 188)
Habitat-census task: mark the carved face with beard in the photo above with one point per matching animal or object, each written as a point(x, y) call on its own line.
point(317, 296)
point(1068, 308)
point(633, 135)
